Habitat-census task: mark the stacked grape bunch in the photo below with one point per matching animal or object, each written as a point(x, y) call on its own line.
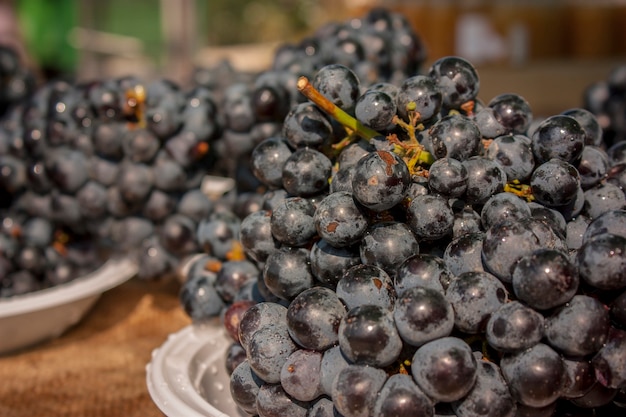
point(112, 165)
point(446, 257)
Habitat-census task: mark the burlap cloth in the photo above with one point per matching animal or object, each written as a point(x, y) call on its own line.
point(97, 368)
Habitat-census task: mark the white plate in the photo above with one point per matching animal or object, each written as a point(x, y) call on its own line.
point(28, 319)
point(187, 374)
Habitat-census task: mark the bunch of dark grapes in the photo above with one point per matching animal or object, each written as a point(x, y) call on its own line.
point(418, 251)
point(115, 163)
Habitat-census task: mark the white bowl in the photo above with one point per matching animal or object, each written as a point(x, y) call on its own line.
point(28, 319)
point(187, 374)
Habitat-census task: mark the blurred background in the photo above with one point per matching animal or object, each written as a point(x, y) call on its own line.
point(541, 46)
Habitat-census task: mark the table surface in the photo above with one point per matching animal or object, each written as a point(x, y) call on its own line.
point(98, 367)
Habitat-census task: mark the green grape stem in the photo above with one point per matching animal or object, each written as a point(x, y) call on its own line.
point(416, 155)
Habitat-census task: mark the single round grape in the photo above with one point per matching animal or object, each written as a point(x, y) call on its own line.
point(256, 235)
point(544, 279)
point(609, 363)
point(199, 298)
point(514, 154)
point(474, 296)
point(580, 377)
point(458, 80)
point(447, 176)
point(612, 221)
point(401, 397)
point(387, 244)
point(558, 137)
point(286, 272)
point(380, 180)
point(503, 206)
point(267, 160)
point(464, 253)
point(418, 95)
point(430, 217)
point(313, 318)
point(579, 328)
point(423, 270)
point(268, 349)
point(273, 401)
point(489, 397)
point(455, 136)
point(375, 109)
point(484, 179)
point(423, 314)
point(445, 369)
point(257, 316)
point(355, 389)
point(590, 124)
point(292, 222)
point(339, 84)
point(535, 376)
point(329, 263)
point(366, 284)
point(300, 375)
point(234, 275)
point(244, 387)
point(306, 125)
point(592, 167)
point(514, 327)
point(368, 336)
point(512, 111)
point(339, 220)
point(602, 198)
point(602, 261)
point(306, 172)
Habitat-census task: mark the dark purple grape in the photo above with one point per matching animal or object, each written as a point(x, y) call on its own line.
point(366, 284)
point(445, 369)
point(609, 363)
point(448, 177)
point(267, 160)
point(590, 124)
point(503, 206)
point(376, 109)
point(514, 154)
point(339, 220)
point(512, 111)
point(401, 397)
point(420, 96)
point(484, 179)
point(514, 327)
point(602, 198)
point(544, 278)
point(257, 316)
point(313, 318)
point(292, 221)
point(198, 296)
point(458, 80)
point(268, 349)
point(592, 167)
point(455, 136)
point(579, 328)
point(602, 261)
point(244, 387)
point(339, 84)
point(430, 217)
point(489, 397)
point(329, 263)
point(380, 180)
point(422, 314)
point(306, 125)
point(580, 377)
point(333, 362)
point(306, 172)
point(368, 336)
point(464, 253)
point(300, 375)
point(474, 296)
point(355, 389)
point(387, 244)
point(256, 235)
point(233, 276)
point(422, 270)
point(287, 273)
point(613, 221)
point(558, 137)
point(536, 376)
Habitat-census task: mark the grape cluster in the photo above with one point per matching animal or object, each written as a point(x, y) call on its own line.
point(106, 167)
point(420, 252)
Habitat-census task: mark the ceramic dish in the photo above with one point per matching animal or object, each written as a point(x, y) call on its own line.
point(28, 319)
point(187, 374)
